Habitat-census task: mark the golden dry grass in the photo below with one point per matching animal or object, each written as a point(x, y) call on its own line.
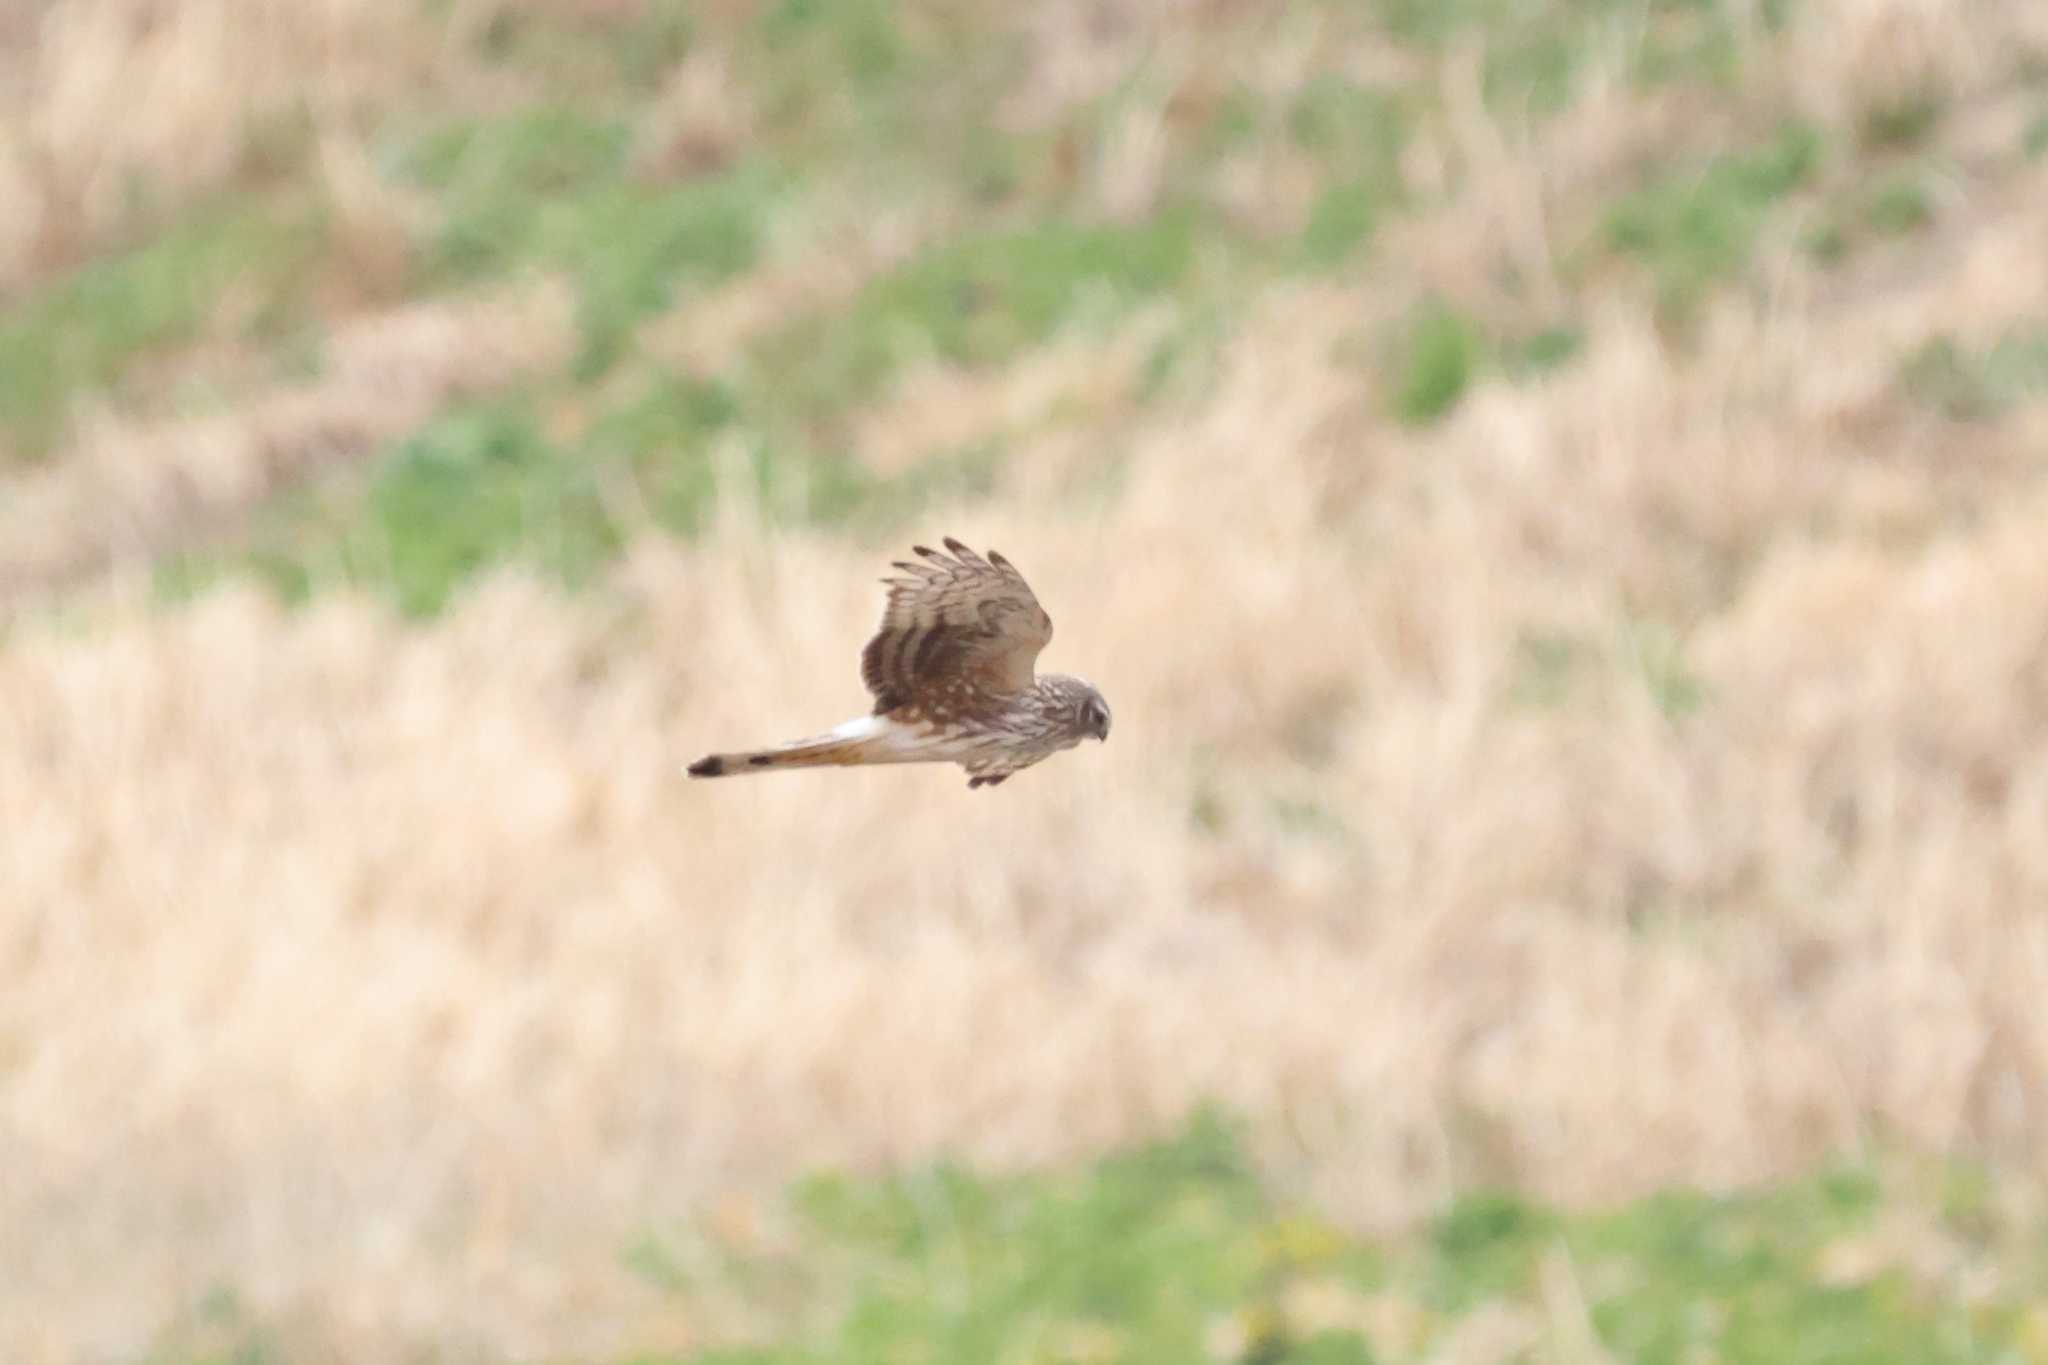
point(361, 966)
point(108, 104)
point(1642, 777)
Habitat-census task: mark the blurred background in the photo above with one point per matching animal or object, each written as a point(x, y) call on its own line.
point(1553, 490)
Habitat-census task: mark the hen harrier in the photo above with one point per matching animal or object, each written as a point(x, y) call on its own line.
point(950, 668)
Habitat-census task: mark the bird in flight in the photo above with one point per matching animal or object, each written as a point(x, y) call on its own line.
point(950, 668)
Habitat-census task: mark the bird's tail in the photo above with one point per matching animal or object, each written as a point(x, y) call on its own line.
point(870, 739)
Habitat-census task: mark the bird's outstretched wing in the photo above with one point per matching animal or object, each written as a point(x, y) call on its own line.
point(957, 628)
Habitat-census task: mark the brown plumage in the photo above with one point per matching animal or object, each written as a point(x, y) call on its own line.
point(951, 670)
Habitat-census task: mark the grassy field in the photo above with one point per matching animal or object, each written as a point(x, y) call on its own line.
point(1176, 1251)
point(1551, 488)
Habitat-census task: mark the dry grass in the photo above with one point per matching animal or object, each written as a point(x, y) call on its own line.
point(382, 972)
point(121, 103)
point(1641, 777)
point(1073, 388)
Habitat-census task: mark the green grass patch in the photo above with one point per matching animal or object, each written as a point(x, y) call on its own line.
point(1546, 667)
point(630, 248)
point(861, 43)
point(1530, 52)
point(1141, 1252)
point(1178, 1251)
point(500, 481)
point(1695, 230)
point(1549, 665)
point(602, 54)
point(1979, 384)
point(1440, 355)
point(81, 331)
point(476, 486)
point(2034, 141)
point(1826, 240)
point(1746, 1278)
point(1899, 205)
point(1542, 351)
point(1483, 1247)
point(976, 301)
point(1537, 54)
point(550, 188)
point(495, 482)
point(492, 164)
point(1889, 204)
point(907, 94)
point(1354, 133)
point(892, 104)
point(1345, 216)
point(1432, 357)
point(1904, 122)
point(217, 1329)
point(1656, 654)
point(1698, 41)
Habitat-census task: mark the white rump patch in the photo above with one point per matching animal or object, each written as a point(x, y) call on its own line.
point(889, 741)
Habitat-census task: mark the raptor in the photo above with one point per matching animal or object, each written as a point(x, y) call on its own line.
point(952, 672)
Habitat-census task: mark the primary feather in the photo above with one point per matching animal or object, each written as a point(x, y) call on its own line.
point(954, 625)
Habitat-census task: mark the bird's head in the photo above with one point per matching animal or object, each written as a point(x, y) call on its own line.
point(1073, 707)
point(1091, 714)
